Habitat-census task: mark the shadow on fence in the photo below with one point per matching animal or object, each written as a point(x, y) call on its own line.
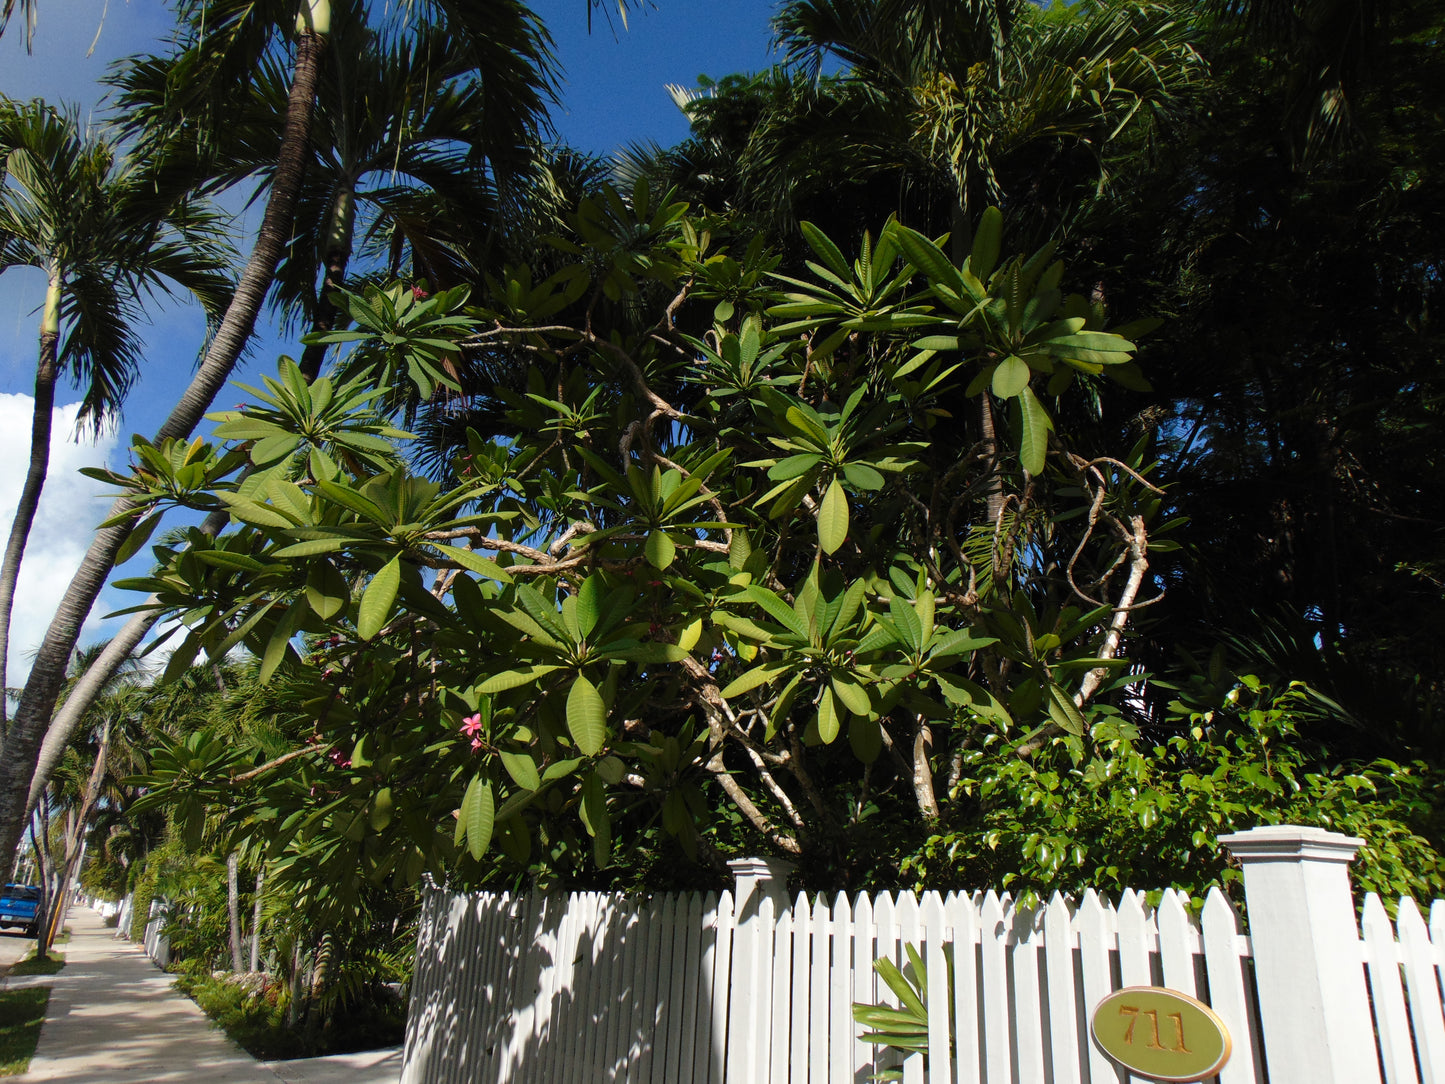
point(598, 988)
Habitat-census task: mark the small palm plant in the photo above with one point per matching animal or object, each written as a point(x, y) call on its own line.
point(904, 1027)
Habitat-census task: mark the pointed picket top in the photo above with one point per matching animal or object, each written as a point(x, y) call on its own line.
point(1437, 931)
point(1176, 943)
point(1218, 915)
point(961, 913)
point(1393, 1024)
point(863, 956)
point(802, 910)
point(907, 908)
point(1134, 940)
point(1062, 993)
point(992, 915)
point(1418, 957)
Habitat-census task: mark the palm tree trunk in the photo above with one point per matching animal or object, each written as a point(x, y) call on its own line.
point(233, 908)
point(960, 244)
point(40, 424)
point(47, 676)
point(337, 256)
point(80, 821)
point(256, 918)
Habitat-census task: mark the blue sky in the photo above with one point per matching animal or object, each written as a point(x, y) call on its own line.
point(613, 94)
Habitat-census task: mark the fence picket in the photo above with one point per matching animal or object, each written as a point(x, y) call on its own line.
point(885, 926)
point(1096, 930)
point(1177, 938)
point(1027, 929)
point(599, 937)
point(1062, 995)
point(909, 933)
point(1418, 957)
point(1437, 932)
point(933, 952)
point(659, 981)
point(1134, 940)
point(802, 985)
point(1224, 967)
point(998, 1059)
point(1397, 1051)
point(840, 994)
point(721, 961)
point(961, 913)
point(781, 1024)
point(863, 957)
point(818, 1018)
point(685, 979)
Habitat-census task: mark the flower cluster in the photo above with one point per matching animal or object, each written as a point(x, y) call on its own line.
point(472, 727)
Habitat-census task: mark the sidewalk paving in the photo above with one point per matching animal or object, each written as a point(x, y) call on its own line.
point(115, 1018)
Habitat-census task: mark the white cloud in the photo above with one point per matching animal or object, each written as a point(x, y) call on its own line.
point(70, 507)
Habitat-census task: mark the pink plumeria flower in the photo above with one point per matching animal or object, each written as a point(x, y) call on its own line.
point(476, 744)
point(472, 725)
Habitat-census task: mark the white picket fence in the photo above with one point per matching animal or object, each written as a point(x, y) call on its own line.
point(743, 988)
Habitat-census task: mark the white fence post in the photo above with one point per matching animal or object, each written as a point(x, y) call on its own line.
point(747, 1009)
point(1309, 971)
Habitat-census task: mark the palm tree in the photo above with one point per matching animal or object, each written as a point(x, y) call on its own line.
point(95, 224)
point(233, 36)
point(407, 155)
point(954, 106)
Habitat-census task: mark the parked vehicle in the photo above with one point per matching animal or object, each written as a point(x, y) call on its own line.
point(18, 905)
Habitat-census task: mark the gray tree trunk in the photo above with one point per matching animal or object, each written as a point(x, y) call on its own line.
point(256, 919)
point(233, 908)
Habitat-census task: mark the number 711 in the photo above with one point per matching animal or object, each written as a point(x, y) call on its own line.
point(1132, 1014)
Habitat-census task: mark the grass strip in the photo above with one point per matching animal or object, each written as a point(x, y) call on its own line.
point(31, 966)
point(21, 1014)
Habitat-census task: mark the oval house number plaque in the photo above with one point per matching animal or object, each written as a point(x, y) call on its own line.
point(1161, 1034)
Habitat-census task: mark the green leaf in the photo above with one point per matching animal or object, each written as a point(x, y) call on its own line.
point(986, 240)
point(474, 562)
point(758, 675)
point(586, 716)
point(865, 736)
point(660, 549)
point(826, 250)
point(476, 817)
point(1064, 712)
point(827, 717)
point(936, 342)
point(513, 679)
point(522, 768)
point(1033, 433)
point(833, 518)
point(377, 599)
point(327, 591)
point(1011, 377)
point(853, 696)
point(139, 535)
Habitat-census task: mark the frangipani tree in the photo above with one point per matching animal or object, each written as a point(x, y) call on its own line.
point(733, 577)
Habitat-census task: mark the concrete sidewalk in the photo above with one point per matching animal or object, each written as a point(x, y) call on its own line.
point(114, 1018)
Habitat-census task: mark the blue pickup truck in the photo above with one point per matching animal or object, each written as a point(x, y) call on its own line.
point(18, 904)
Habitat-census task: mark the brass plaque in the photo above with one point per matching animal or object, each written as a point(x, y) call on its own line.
point(1161, 1033)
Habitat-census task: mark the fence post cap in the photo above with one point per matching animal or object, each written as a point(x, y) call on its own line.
point(769, 874)
point(1291, 842)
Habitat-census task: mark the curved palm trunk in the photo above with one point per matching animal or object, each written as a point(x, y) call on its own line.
point(80, 824)
point(22, 743)
point(41, 421)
